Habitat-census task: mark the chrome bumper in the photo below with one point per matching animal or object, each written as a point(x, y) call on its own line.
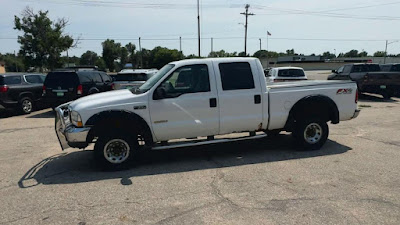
point(356, 113)
point(68, 135)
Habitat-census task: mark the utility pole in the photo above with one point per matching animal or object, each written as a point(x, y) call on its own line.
point(212, 47)
point(260, 43)
point(180, 44)
point(198, 24)
point(67, 59)
point(247, 14)
point(141, 54)
point(388, 43)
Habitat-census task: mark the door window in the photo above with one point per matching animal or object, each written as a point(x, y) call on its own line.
point(33, 79)
point(9, 80)
point(340, 70)
point(187, 79)
point(347, 69)
point(97, 78)
point(105, 77)
point(235, 76)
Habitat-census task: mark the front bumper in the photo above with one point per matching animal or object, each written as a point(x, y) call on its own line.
point(356, 113)
point(68, 135)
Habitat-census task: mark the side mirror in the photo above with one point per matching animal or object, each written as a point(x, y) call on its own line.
point(334, 71)
point(160, 93)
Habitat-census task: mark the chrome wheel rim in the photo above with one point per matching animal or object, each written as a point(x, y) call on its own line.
point(27, 105)
point(116, 151)
point(313, 133)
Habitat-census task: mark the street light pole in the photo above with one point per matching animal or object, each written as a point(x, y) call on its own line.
point(260, 43)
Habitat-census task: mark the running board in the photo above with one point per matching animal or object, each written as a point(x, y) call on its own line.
point(205, 142)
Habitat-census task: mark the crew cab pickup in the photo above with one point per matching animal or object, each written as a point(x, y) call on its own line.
point(193, 102)
point(369, 78)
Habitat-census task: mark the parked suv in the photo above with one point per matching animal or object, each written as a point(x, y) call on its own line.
point(62, 86)
point(20, 91)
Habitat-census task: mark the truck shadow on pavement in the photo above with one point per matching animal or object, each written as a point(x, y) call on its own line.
point(78, 166)
point(375, 98)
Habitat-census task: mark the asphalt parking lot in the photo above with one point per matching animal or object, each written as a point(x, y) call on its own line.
point(353, 179)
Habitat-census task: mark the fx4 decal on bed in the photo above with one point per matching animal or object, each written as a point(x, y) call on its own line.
point(344, 91)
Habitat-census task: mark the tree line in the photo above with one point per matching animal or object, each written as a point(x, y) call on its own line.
point(43, 40)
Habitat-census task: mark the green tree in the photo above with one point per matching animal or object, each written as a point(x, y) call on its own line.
point(162, 56)
point(328, 55)
point(290, 52)
point(124, 57)
point(100, 63)
point(13, 63)
point(261, 54)
point(379, 54)
point(242, 54)
point(351, 53)
point(111, 52)
point(363, 54)
point(131, 53)
point(43, 40)
point(88, 58)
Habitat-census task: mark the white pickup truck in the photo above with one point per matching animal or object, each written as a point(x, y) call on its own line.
point(198, 100)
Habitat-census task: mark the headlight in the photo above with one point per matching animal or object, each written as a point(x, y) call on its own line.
point(76, 119)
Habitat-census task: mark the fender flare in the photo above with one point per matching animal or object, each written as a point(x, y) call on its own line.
point(131, 119)
point(303, 106)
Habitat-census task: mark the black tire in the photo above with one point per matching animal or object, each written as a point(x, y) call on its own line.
point(306, 134)
point(25, 105)
point(123, 142)
point(386, 95)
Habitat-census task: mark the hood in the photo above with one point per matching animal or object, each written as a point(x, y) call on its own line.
point(106, 99)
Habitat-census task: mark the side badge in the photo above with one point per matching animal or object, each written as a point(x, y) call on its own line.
point(139, 107)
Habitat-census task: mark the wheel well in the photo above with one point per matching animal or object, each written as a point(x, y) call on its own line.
point(319, 106)
point(25, 94)
point(121, 120)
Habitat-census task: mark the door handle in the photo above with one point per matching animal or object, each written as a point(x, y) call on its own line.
point(213, 102)
point(257, 99)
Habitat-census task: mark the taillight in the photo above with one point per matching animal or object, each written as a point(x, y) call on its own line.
point(44, 89)
point(356, 100)
point(3, 89)
point(79, 90)
point(112, 86)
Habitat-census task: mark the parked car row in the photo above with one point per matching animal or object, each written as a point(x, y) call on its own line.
point(24, 91)
point(371, 77)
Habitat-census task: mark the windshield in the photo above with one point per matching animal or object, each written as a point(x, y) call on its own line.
point(154, 79)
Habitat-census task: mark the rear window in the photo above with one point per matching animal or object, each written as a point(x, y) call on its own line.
point(131, 77)
point(366, 68)
point(10, 80)
point(396, 68)
point(291, 73)
point(61, 79)
point(236, 76)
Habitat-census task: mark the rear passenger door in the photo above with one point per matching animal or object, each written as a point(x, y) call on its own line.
point(98, 81)
point(239, 96)
point(35, 85)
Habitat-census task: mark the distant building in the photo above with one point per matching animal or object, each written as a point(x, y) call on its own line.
point(2, 67)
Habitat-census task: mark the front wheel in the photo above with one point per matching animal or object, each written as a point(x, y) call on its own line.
point(311, 134)
point(115, 152)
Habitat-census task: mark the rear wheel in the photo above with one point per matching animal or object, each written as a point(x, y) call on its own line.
point(311, 134)
point(387, 95)
point(115, 151)
point(26, 105)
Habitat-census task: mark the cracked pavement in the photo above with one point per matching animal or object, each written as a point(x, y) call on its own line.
point(354, 179)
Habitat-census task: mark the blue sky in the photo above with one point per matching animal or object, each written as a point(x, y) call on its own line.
point(370, 23)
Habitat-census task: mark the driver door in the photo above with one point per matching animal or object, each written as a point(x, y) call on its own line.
point(189, 105)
